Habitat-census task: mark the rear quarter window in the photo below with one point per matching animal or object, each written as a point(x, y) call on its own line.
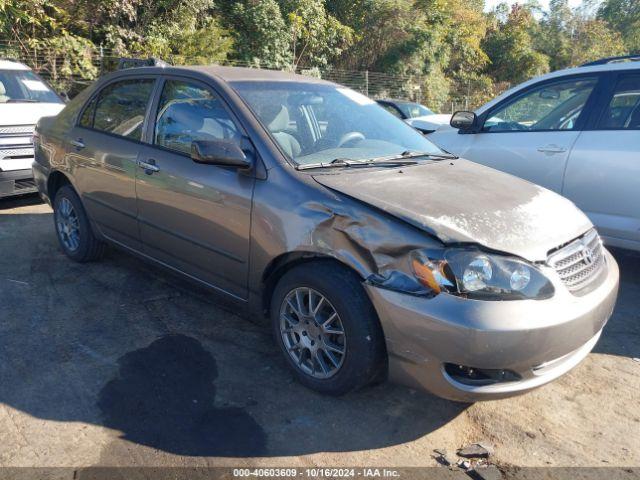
point(120, 108)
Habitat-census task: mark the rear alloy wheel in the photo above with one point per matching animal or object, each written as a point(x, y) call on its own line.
point(73, 228)
point(68, 225)
point(327, 328)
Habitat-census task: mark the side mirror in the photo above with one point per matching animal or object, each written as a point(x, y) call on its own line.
point(220, 152)
point(466, 122)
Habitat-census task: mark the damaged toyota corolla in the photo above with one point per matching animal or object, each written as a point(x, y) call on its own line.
point(373, 253)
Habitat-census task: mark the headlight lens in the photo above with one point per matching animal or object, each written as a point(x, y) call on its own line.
point(476, 274)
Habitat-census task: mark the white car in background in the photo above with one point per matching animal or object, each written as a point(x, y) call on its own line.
point(24, 98)
point(415, 114)
point(575, 131)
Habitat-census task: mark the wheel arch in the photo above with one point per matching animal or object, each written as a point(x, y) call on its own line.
point(285, 262)
point(56, 180)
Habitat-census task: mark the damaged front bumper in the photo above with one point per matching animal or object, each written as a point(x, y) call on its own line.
point(522, 344)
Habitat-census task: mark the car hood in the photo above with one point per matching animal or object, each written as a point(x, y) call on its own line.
point(462, 202)
point(27, 113)
point(429, 122)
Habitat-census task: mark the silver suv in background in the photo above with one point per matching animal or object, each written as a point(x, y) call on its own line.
point(24, 98)
point(574, 131)
point(371, 251)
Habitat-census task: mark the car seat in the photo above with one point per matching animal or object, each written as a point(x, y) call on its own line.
point(278, 123)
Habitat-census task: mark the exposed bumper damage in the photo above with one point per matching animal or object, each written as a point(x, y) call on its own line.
point(539, 340)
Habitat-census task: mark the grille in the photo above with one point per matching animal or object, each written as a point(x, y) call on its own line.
point(580, 262)
point(12, 130)
point(16, 153)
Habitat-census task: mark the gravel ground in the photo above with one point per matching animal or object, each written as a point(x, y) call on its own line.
point(119, 363)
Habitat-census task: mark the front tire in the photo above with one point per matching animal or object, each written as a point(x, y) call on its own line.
point(327, 328)
point(73, 228)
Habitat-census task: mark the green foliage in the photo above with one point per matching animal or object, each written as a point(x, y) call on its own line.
point(65, 58)
point(443, 50)
point(624, 17)
point(261, 35)
point(186, 42)
point(509, 42)
point(593, 39)
point(316, 36)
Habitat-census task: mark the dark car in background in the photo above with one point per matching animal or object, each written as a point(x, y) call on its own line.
point(415, 114)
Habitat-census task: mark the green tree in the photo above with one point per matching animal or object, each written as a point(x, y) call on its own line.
point(624, 17)
point(317, 37)
point(187, 42)
point(593, 39)
point(509, 45)
point(261, 35)
point(553, 37)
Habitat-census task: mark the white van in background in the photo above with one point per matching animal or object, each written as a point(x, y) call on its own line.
point(24, 98)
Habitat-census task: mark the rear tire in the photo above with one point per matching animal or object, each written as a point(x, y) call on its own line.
point(73, 228)
point(312, 343)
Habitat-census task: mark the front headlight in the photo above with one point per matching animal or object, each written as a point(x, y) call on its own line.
point(476, 274)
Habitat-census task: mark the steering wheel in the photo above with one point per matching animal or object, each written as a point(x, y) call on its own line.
point(350, 137)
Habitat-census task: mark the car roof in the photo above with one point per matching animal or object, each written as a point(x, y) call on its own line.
point(12, 65)
point(605, 67)
point(233, 74)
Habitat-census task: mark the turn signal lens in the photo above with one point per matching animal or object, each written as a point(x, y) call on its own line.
point(432, 274)
point(426, 276)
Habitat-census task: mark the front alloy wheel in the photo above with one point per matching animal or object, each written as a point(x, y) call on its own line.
point(327, 328)
point(312, 333)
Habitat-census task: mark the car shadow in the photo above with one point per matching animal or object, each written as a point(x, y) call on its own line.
point(622, 333)
point(123, 345)
point(7, 203)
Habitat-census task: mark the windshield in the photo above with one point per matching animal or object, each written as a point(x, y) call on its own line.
point(318, 123)
point(18, 86)
point(412, 110)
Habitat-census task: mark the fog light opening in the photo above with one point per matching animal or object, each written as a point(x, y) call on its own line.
point(479, 376)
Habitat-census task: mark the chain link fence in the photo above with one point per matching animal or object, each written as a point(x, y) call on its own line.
point(72, 73)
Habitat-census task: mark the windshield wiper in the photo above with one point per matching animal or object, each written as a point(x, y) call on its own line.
point(405, 158)
point(414, 154)
point(336, 162)
point(22, 100)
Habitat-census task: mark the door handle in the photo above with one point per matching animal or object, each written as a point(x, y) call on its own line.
point(149, 167)
point(79, 144)
point(551, 149)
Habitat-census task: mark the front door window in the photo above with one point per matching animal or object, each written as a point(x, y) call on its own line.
point(189, 112)
point(550, 107)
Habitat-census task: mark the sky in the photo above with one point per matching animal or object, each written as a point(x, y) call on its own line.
point(489, 4)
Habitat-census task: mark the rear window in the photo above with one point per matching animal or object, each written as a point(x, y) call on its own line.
point(119, 108)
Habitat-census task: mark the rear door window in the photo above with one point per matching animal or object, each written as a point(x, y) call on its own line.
point(120, 108)
point(623, 108)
